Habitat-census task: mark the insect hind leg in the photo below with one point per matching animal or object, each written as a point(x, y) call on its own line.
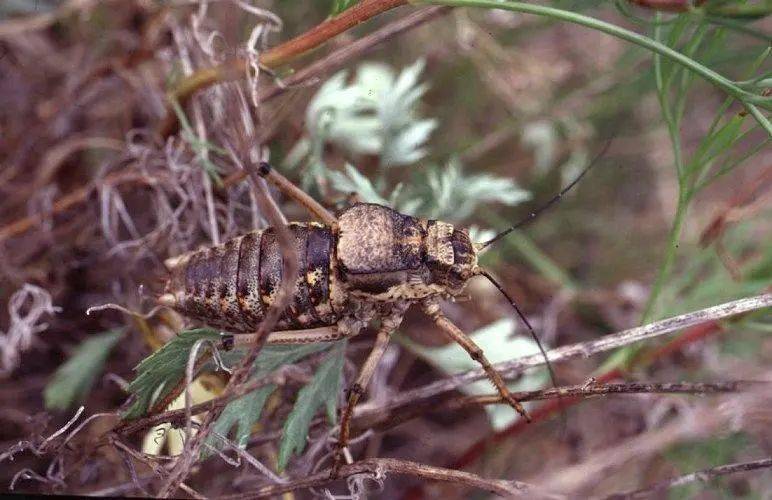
point(432, 309)
point(360, 386)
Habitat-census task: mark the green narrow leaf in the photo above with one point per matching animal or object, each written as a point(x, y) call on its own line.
point(322, 390)
point(724, 137)
point(245, 411)
point(73, 380)
point(339, 6)
point(163, 369)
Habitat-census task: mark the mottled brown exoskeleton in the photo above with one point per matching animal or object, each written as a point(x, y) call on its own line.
point(369, 263)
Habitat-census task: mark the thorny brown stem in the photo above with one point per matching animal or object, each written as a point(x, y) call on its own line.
point(515, 367)
point(378, 467)
point(659, 489)
point(241, 374)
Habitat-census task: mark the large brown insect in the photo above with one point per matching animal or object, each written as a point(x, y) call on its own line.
point(369, 263)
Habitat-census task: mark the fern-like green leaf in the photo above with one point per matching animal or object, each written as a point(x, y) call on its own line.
point(73, 380)
point(321, 391)
point(161, 371)
point(245, 411)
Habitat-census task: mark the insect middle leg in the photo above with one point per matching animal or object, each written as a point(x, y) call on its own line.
point(432, 309)
point(358, 388)
point(288, 188)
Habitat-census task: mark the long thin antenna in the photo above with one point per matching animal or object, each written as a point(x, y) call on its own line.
point(527, 324)
point(511, 301)
point(551, 202)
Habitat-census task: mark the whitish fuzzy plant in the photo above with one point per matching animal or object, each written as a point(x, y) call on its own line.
point(376, 114)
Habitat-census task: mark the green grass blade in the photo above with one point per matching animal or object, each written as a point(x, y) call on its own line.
point(73, 380)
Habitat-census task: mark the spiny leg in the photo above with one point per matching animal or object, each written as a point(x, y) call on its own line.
point(358, 388)
point(288, 188)
point(432, 309)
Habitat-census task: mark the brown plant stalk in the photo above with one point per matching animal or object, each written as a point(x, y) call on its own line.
point(515, 367)
point(275, 56)
point(659, 489)
point(241, 374)
point(326, 65)
point(378, 467)
point(390, 419)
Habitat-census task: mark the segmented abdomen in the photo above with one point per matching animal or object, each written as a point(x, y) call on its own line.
point(232, 285)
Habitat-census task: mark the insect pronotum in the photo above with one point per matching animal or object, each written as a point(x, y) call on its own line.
point(369, 263)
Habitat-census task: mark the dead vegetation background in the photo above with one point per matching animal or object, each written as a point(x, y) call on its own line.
point(102, 177)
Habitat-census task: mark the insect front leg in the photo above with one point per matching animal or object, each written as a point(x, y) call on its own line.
point(289, 189)
point(359, 387)
point(432, 309)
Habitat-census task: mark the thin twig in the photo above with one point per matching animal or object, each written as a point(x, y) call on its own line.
point(378, 467)
point(326, 65)
point(383, 420)
point(510, 369)
point(241, 374)
point(276, 56)
point(340, 57)
point(659, 489)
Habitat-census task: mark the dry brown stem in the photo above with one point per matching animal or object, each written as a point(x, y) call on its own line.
point(378, 467)
point(659, 490)
point(340, 57)
point(384, 420)
point(276, 56)
point(515, 367)
point(241, 373)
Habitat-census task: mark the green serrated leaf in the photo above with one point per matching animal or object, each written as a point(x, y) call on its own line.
point(163, 369)
point(73, 380)
point(321, 391)
point(245, 411)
